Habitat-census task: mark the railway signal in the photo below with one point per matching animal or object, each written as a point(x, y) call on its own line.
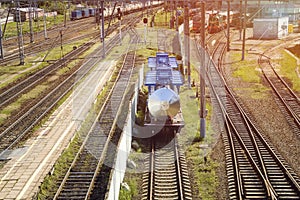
point(119, 14)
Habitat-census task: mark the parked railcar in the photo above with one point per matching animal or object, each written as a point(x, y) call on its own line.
point(92, 12)
point(218, 21)
point(163, 81)
point(85, 13)
point(76, 14)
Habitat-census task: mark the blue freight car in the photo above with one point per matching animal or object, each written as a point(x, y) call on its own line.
point(92, 11)
point(85, 12)
point(76, 14)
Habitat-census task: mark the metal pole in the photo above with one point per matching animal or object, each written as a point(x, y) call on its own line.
point(65, 17)
point(176, 4)
point(120, 31)
point(56, 11)
point(20, 34)
point(1, 37)
point(36, 14)
point(102, 27)
point(202, 75)
point(244, 31)
point(228, 25)
point(30, 22)
point(241, 22)
point(45, 27)
point(187, 43)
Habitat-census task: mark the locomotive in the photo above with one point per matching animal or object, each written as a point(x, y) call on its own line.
point(163, 111)
point(215, 21)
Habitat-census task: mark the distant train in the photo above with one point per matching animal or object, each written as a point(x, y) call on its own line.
point(218, 21)
point(215, 21)
point(81, 13)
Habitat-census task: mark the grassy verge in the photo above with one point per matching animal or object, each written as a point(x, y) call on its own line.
point(132, 182)
point(203, 174)
point(35, 92)
point(289, 69)
point(36, 25)
point(246, 71)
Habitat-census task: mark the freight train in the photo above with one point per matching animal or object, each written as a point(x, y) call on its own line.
point(81, 13)
point(163, 82)
point(215, 21)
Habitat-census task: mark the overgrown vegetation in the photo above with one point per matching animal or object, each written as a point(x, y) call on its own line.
point(290, 69)
point(126, 194)
point(142, 103)
point(244, 69)
point(38, 25)
point(204, 178)
point(6, 112)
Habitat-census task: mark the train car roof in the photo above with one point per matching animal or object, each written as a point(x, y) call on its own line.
point(162, 59)
point(155, 77)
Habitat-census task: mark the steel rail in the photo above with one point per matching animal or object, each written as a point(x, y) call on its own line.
point(100, 163)
point(104, 150)
point(270, 190)
point(290, 110)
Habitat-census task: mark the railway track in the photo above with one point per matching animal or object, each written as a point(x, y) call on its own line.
point(287, 99)
point(42, 44)
point(82, 179)
point(18, 128)
point(9, 93)
point(254, 169)
point(161, 43)
point(167, 177)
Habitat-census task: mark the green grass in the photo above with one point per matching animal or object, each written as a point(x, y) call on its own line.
point(204, 174)
point(288, 69)
point(246, 69)
point(128, 194)
point(11, 28)
point(60, 168)
point(34, 93)
point(7, 111)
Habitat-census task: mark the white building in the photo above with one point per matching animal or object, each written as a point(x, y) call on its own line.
point(270, 28)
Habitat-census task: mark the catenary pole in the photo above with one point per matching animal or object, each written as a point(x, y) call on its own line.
point(1, 39)
point(228, 25)
point(102, 27)
point(20, 34)
point(187, 43)
point(202, 75)
point(30, 12)
point(244, 30)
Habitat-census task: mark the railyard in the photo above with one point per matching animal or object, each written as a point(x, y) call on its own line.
point(86, 131)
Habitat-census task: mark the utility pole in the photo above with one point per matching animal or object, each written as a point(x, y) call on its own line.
point(36, 14)
point(228, 25)
point(56, 12)
point(187, 43)
point(176, 5)
point(20, 34)
point(45, 27)
point(244, 30)
point(30, 12)
point(202, 75)
point(1, 39)
point(102, 26)
point(240, 21)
